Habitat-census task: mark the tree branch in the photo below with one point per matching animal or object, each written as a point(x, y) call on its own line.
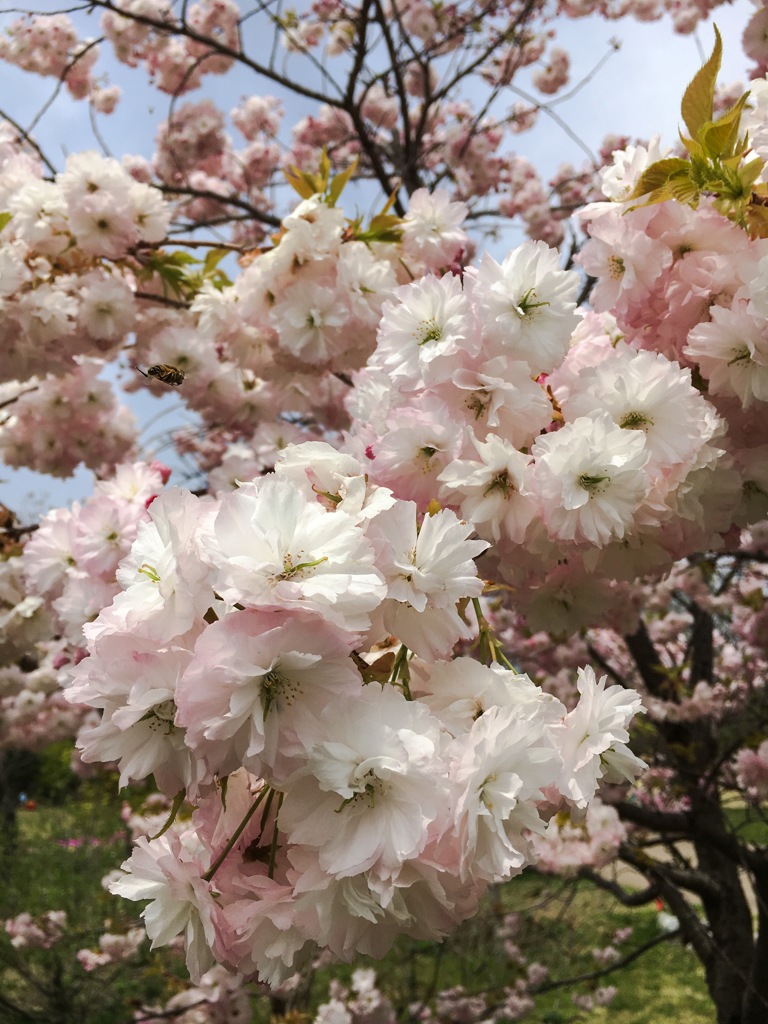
point(239, 55)
point(548, 986)
point(624, 896)
point(233, 200)
point(648, 662)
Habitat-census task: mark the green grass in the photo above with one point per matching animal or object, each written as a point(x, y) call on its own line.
point(55, 866)
point(560, 924)
point(57, 861)
point(59, 856)
point(748, 823)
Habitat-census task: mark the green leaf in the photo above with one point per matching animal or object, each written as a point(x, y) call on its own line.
point(659, 195)
point(750, 172)
point(683, 190)
point(733, 163)
point(702, 171)
point(714, 185)
point(391, 201)
point(304, 184)
point(212, 259)
point(385, 222)
point(325, 170)
point(172, 269)
point(211, 270)
point(720, 138)
point(336, 186)
point(656, 175)
point(693, 147)
point(178, 800)
point(384, 227)
point(4, 218)
point(699, 97)
point(179, 258)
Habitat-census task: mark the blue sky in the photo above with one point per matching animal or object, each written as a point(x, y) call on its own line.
point(638, 92)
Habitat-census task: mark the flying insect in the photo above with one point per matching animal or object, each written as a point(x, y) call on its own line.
point(167, 374)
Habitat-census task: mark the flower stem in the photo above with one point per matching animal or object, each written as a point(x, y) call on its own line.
point(236, 834)
point(491, 649)
point(401, 675)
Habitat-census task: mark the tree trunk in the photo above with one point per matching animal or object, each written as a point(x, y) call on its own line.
point(756, 995)
point(729, 967)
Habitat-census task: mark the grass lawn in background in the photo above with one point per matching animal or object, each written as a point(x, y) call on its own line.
point(63, 852)
point(559, 925)
point(56, 863)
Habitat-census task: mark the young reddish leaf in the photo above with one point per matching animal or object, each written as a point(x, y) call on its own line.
point(756, 216)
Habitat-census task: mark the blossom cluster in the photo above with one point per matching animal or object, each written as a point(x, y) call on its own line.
point(55, 424)
point(61, 294)
point(78, 280)
point(23, 616)
point(281, 656)
point(314, 300)
point(40, 932)
point(196, 154)
point(362, 1002)
point(580, 452)
point(218, 996)
point(33, 710)
point(48, 44)
point(64, 577)
point(298, 319)
point(112, 948)
point(752, 772)
point(301, 654)
point(730, 590)
point(569, 845)
point(68, 278)
point(72, 558)
point(176, 65)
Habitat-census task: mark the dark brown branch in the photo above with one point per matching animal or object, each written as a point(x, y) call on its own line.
point(10, 401)
point(24, 136)
point(657, 821)
point(605, 665)
point(162, 299)
point(292, 84)
point(617, 965)
point(191, 243)
point(401, 90)
point(666, 873)
point(62, 79)
point(702, 650)
point(624, 896)
point(648, 662)
point(756, 998)
point(233, 200)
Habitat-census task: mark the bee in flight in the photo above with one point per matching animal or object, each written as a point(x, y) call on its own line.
point(167, 374)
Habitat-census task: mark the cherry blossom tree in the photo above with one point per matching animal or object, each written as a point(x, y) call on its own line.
point(463, 519)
